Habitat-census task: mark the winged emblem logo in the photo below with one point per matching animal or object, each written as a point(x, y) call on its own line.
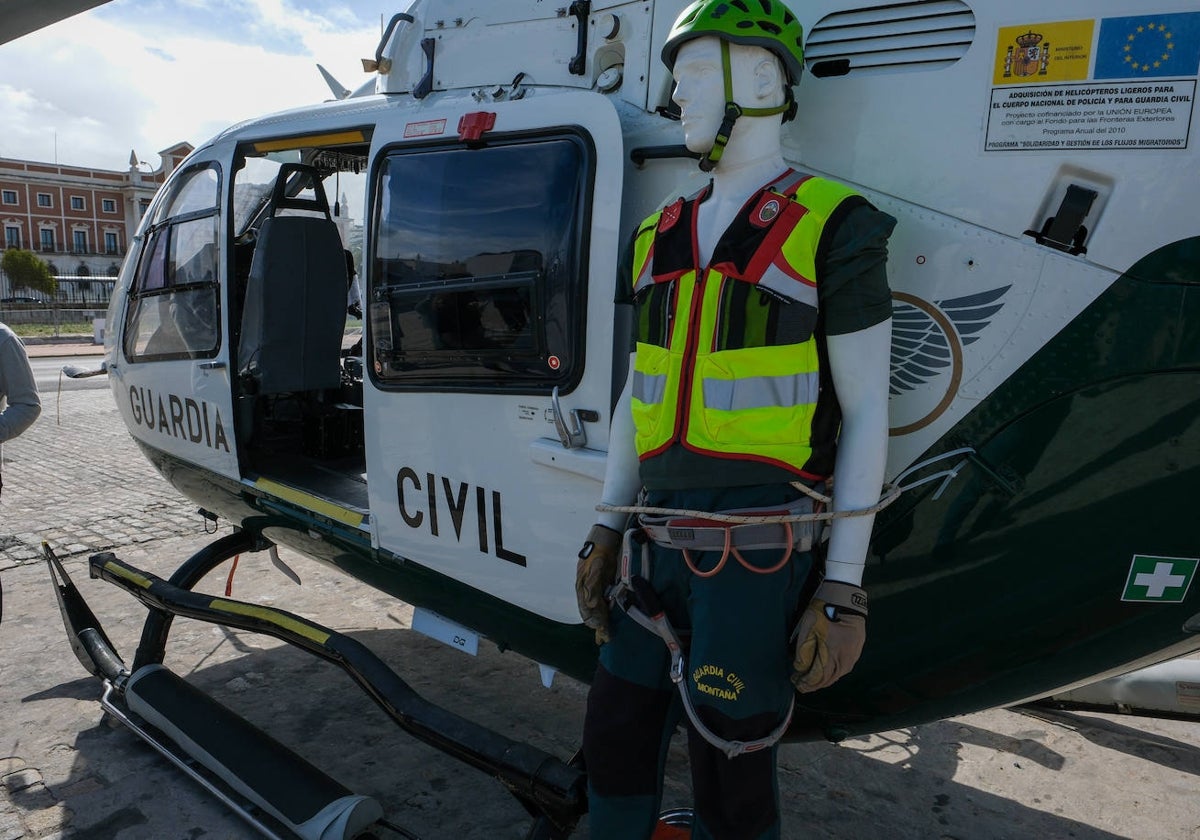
point(927, 346)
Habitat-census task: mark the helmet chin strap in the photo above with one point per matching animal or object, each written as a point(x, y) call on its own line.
point(733, 111)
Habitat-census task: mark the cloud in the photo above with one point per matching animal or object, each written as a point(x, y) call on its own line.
point(146, 75)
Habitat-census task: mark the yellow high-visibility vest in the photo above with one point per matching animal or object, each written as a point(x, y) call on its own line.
point(728, 363)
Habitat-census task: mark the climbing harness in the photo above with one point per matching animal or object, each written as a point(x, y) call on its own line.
point(891, 492)
point(688, 534)
point(641, 603)
point(796, 526)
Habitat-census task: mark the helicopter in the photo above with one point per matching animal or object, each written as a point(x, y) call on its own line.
point(1045, 384)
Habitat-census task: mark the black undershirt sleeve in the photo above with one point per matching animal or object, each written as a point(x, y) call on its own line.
point(852, 284)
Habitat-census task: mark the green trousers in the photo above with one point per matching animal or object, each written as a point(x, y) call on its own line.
point(736, 627)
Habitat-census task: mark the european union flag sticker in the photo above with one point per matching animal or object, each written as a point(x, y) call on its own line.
point(1148, 46)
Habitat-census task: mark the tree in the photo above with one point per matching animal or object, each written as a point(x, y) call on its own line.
point(26, 271)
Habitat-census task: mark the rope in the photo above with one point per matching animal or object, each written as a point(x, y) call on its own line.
point(891, 492)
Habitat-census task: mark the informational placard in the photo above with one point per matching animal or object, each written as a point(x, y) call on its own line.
point(1106, 83)
point(1155, 114)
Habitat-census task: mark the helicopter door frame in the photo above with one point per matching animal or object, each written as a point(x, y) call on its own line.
point(490, 291)
point(171, 375)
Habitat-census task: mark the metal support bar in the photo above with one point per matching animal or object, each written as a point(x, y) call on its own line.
point(542, 783)
point(153, 644)
point(88, 642)
point(398, 18)
point(641, 154)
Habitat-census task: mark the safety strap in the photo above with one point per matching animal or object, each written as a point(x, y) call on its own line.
point(891, 492)
point(704, 534)
point(641, 603)
point(794, 527)
point(709, 161)
point(733, 111)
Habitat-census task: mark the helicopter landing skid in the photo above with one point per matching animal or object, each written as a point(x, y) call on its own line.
point(264, 782)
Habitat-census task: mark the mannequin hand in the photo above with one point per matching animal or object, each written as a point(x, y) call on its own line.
point(597, 569)
point(830, 637)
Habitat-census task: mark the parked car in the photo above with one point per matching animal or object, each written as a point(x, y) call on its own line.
point(20, 299)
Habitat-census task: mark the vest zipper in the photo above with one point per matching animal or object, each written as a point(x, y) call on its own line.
point(688, 370)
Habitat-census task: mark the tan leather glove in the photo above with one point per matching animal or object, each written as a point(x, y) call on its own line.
point(597, 570)
point(831, 635)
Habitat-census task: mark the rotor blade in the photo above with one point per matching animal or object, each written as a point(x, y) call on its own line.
point(24, 16)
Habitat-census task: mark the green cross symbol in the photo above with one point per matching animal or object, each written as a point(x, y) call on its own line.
point(1163, 580)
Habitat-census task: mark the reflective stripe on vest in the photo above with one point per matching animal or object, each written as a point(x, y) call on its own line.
point(756, 402)
point(649, 389)
point(759, 392)
point(782, 280)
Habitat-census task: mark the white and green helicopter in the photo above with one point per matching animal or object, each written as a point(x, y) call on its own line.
point(1041, 161)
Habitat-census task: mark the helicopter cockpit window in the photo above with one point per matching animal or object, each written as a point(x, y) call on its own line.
point(252, 185)
point(199, 192)
point(478, 274)
point(256, 176)
point(173, 299)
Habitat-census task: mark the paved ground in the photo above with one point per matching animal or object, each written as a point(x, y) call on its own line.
point(77, 480)
point(55, 347)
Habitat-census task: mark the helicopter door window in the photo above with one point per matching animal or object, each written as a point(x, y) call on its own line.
point(199, 192)
point(173, 302)
point(477, 281)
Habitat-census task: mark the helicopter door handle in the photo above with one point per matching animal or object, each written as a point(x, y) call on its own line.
point(212, 365)
point(580, 9)
point(573, 436)
point(425, 86)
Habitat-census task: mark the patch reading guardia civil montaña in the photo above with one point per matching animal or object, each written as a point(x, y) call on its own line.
point(1163, 580)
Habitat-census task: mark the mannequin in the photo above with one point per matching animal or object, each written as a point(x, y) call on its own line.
point(859, 361)
point(771, 451)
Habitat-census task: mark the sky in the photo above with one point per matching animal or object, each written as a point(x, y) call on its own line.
point(143, 75)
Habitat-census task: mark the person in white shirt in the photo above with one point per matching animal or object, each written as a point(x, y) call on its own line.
point(19, 401)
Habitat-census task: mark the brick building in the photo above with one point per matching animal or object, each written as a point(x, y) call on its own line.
point(76, 217)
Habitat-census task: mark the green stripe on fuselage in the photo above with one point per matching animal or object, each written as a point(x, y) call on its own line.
point(985, 595)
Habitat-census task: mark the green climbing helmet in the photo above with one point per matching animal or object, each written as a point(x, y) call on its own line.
point(758, 23)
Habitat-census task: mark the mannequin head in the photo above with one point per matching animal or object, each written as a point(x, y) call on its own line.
point(752, 52)
point(757, 79)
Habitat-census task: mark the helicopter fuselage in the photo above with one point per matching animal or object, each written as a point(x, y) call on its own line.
point(1046, 343)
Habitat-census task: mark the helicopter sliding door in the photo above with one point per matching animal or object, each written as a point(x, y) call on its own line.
point(170, 373)
point(491, 276)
